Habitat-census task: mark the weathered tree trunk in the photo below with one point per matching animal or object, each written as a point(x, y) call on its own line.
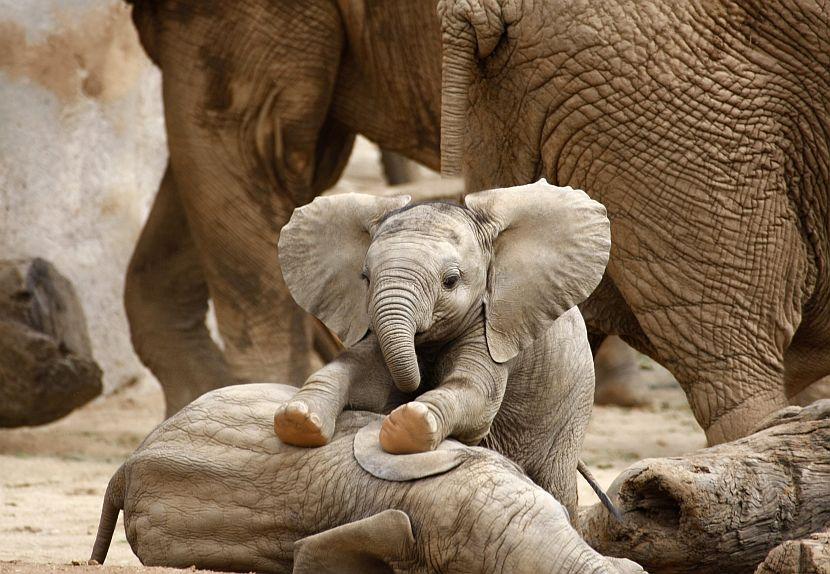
point(722, 509)
point(807, 556)
point(46, 364)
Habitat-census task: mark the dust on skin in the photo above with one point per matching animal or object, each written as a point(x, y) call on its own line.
point(97, 56)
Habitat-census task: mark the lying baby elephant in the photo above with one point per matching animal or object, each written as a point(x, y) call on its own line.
point(213, 487)
point(477, 300)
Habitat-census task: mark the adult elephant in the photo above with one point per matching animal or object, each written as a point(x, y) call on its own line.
point(261, 119)
point(703, 128)
point(699, 127)
point(262, 102)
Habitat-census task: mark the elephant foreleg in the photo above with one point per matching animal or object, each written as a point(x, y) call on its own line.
point(166, 300)
point(463, 405)
point(618, 380)
point(722, 320)
point(397, 170)
point(358, 376)
point(250, 137)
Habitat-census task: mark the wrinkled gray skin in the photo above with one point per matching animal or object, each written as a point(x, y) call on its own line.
point(700, 125)
point(213, 487)
point(703, 127)
point(474, 306)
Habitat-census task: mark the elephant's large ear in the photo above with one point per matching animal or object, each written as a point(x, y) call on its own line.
point(366, 546)
point(321, 252)
point(549, 254)
point(404, 467)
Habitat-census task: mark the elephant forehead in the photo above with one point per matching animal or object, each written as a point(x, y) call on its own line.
point(431, 223)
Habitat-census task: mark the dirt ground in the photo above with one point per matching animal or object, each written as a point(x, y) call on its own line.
point(52, 478)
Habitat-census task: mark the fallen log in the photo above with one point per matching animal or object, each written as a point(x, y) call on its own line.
point(46, 364)
point(807, 556)
point(722, 509)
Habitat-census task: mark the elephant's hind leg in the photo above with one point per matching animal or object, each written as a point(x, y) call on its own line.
point(722, 316)
point(166, 299)
point(247, 87)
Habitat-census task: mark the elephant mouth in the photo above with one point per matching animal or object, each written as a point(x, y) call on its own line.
point(428, 341)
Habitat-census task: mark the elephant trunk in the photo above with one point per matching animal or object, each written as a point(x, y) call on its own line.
point(458, 63)
point(394, 325)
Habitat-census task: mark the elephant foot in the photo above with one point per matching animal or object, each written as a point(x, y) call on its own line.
point(295, 423)
point(410, 428)
point(622, 392)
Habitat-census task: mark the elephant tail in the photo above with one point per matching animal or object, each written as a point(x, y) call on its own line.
point(606, 502)
point(113, 503)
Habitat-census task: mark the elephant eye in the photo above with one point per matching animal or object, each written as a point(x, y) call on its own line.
point(451, 280)
point(364, 275)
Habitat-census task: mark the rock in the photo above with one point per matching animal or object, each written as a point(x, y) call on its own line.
point(82, 151)
point(46, 363)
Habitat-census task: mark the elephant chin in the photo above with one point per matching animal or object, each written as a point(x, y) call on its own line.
point(395, 329)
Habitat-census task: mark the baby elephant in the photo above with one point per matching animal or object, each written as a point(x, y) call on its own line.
point(213, 487)
point(475, 301)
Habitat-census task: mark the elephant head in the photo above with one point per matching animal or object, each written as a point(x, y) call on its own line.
point(423, 273)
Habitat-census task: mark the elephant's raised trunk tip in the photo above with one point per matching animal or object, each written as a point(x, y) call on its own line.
point(407, 380)
point(398, 347)
point(396, 335)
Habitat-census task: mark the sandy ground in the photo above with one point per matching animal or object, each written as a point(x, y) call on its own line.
point(52, 478)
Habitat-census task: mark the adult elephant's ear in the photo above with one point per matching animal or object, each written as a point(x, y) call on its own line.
point(321, 253)
point(366, 546)
point(550, 250)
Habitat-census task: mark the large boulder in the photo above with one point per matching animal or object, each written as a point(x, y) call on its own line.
point(46, 364)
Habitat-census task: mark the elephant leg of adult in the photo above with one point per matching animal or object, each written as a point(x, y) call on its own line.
point(250, 139)
point(721, 318)
point(814, 392)
point(618, 380)
point(397, 169)
point(166, 299)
